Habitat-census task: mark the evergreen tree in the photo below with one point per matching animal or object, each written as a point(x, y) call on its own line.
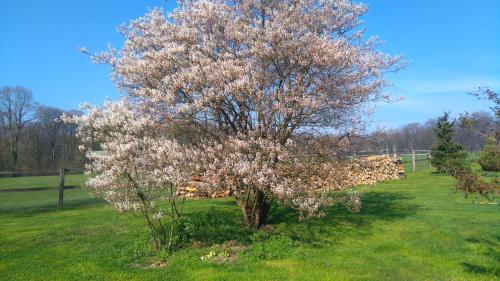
point(446, 154)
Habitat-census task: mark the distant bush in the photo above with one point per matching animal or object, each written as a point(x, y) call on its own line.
point(489, 159)
point(469, 183)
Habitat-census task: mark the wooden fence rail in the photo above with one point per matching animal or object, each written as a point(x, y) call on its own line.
point(13, 174)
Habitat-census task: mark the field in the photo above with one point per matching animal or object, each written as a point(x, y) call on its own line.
point(417, 228)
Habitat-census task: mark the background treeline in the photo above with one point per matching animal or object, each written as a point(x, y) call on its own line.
point(31, 136)
point(33, 139)
point(420, 136)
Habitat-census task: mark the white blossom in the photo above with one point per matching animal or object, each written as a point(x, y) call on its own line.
point(249, 74)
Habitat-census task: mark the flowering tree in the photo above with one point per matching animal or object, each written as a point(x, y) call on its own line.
point(250, 74)
point(135, 166)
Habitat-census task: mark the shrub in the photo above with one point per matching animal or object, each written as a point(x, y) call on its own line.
point(469, 183)
point(489, 159)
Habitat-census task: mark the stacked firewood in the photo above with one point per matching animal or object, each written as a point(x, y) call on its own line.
point(370, 170)
point(337, 175)
point(342, 174)
point(196, 188)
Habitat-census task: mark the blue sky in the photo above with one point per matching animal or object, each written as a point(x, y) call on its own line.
point(453, 47)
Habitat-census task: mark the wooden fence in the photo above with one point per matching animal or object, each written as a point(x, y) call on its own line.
point(13, 174)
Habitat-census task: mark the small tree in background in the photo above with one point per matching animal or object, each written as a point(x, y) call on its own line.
point(489, 159)
point(446, 154)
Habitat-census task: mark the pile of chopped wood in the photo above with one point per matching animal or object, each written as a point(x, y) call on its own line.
point(196, 188)
point(370, 170)
point(338, 175)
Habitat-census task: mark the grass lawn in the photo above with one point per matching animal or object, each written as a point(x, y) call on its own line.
point(42, 181)
point(416, 228)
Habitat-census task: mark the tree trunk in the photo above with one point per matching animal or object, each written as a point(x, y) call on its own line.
point(14, 158)
point(255, 208)
point(53, 156)
point(13, 154)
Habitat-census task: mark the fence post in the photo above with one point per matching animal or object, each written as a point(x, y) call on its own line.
point(394, 152)
point(413, 159)
point(62, 170)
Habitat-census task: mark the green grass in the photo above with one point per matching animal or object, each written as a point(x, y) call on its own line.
point(416, 228)
point(42, 181)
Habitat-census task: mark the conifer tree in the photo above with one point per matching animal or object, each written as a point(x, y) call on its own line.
point(446, 154)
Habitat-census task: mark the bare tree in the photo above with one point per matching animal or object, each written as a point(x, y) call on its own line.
point(469, 120)
point(16, 105)
point(51, 127)
point(474, 128)
point(489, 95)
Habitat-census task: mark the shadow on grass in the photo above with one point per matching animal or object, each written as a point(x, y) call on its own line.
point(215, 222)
point(492, 254)
point(339, 222)
point(221, 225)
point(479, 269)
point(217, 225)
point(72, 204)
